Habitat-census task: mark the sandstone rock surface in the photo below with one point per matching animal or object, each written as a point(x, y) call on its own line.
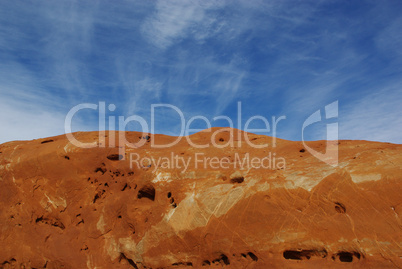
point(62, 206)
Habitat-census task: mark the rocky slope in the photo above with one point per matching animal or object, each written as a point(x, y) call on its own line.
point(63, 206)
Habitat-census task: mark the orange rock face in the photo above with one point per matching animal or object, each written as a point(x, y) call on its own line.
point(229, 205)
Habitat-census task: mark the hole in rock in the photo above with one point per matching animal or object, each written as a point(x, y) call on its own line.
point(292, 255)
point(345, 256)
point(115, 157)
point(302, 150)
point(11, 262)
point(59, 224)
point(98, 195)
point(96, 198)
point(47, 141)
point(67, 158)
point(147, 191)
point(340, 208)
point(222, 259)
point(252, 256)
point(52, 222)
point(125, 187)
point(183, 264)
point(100, 169)
point(303, 254)
point(237, 180)
point(169, 194)
point(206, 262)
point(221, 139)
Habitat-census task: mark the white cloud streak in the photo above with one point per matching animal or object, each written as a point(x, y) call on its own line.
point(375, 117)
point(174, 20)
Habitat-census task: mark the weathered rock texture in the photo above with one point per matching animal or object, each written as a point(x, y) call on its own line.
point(67, 207)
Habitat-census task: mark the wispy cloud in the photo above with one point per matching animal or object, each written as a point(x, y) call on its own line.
point(376, 116)
point(174, 20)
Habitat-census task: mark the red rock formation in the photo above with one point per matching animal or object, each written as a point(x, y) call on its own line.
point(67, 207)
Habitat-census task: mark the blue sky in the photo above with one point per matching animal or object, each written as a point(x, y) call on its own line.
point(277, 58)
